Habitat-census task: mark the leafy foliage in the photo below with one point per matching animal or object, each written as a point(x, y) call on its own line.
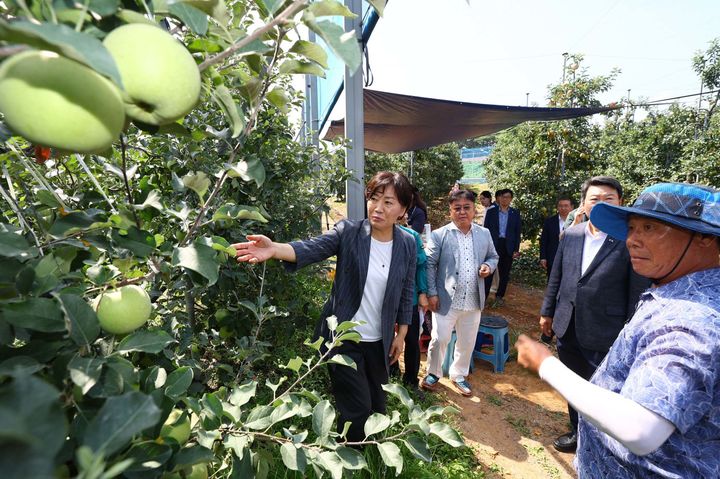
point(160, 210)
point(542, 161)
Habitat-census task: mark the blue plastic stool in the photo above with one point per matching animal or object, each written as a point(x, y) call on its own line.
point(493, 328)
point(449, 354)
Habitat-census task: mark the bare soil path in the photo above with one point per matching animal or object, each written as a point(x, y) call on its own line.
point(513, 417)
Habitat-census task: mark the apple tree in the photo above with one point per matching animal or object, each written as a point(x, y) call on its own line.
point(127, 172)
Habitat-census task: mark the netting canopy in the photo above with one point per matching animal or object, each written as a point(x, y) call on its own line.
point(395, 123)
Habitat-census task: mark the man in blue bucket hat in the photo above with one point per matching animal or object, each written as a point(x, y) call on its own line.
point(652, 409)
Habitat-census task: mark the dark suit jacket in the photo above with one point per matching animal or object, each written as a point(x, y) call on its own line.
point(512, 234)
point(603, 299)
point(550, 239)
point(350, 242)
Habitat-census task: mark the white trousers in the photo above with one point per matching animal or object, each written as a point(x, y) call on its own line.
point(465, 324)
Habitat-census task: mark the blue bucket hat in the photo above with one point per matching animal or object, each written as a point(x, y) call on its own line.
point(691, 207)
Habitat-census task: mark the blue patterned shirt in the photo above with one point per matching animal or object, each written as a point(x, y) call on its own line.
point(667, 358)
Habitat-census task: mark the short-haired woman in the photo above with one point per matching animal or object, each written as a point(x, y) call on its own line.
point(374, 284)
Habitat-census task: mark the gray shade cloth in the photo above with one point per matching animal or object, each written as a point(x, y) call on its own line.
point(395, 123)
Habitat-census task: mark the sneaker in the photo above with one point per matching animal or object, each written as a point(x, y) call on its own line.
point(463, 387)
point(430, 382)
point(498, 302)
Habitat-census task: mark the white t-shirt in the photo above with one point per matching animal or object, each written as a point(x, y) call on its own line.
point(370, 310)
point(593, 243)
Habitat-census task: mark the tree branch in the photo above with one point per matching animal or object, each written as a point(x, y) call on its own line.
point(284, 17)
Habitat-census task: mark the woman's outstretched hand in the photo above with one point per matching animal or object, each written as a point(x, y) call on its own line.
point(257, 249)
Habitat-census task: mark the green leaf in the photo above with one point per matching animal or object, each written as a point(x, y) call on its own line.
point(344, 45)
point(85, 372)
point(248, 170)
point(198, 258)
point(147, 455)
point(332, 463)
point(233, 111)
point(351, 458)
point(104, 8)
point(20, 366)
point(259, 417)
point(376, 423)
point(39, 314)
point(33, 428)
point(316, 345)
point(311, 51)
point(343, 360)
point(400, 393)
point(332, 322)
point(140, 242)
point(447, 434)
point(62, 39)
point(198, 182)
point(379, 6)
point(272, 5)
point(15, 246)
point(84, 325)
point(131, 16)
point(77, 221)
point(391, 455)
point(119, 420)
point(195, 19)
point(324, 8)
point(145, 342)
point(152, 201)
point(279, 99)
point(294, 364)
point(293, 457)
point(323, 418)
point(418, 447)
point(232, 211)
point(195, 454)
point(242, 394)
point(47, 198)
point(178, 382)
point(297, 67)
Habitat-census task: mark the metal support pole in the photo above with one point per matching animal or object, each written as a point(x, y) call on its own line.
point(354, 123)
point(312, 120)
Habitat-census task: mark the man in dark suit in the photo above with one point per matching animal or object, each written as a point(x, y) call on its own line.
point(591, 293)
point(504, 224)
point(550, 236)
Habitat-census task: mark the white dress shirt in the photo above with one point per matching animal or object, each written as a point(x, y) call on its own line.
point(591, 246)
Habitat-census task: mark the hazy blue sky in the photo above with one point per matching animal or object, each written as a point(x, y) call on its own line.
point(486, 51)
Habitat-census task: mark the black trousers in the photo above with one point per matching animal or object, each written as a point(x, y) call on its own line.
point(412, 352)
point(504, 264)
point(358, 393)
point(581, 361)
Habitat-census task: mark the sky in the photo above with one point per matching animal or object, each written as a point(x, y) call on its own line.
point(495, 52)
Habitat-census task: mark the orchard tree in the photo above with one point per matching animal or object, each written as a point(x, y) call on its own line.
point(540, 161)
point(434, 170)
point(139, 141)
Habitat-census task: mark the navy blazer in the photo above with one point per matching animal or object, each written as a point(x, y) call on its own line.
point(512, 234)
point(602, 299)
point(349, 241)
point(550, 239)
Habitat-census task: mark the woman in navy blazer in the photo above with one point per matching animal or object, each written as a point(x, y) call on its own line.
point(374, 282)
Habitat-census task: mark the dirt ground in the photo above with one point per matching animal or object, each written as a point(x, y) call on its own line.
point(513, 417)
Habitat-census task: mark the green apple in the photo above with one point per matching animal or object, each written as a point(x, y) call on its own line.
point(178, 430)
point(56, 102)
point(160, 77)
point(123, 310)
